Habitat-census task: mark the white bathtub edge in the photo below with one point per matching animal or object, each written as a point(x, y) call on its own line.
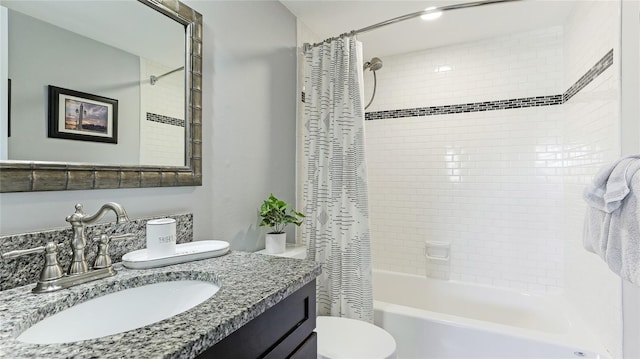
point(577, 334)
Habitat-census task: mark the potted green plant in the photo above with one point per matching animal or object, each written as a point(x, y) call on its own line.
point(276, 214)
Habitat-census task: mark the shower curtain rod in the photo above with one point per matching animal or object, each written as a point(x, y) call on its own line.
point(154, 79)
point(307, 46)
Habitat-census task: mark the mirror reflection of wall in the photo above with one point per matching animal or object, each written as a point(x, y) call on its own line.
point(71, 53)
point(162, 125)
point(73, 62)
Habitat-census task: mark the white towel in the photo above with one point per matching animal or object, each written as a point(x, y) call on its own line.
point(612, 224)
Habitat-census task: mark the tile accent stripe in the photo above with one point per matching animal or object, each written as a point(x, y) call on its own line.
point(467, 107)
point(603, 64)
point(596, 70)
point(165, 119)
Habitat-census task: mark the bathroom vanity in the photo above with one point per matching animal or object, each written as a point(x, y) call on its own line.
point(265, 307)
point(284, 331)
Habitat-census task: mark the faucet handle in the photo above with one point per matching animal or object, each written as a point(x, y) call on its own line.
point(51, 269)
point(21, 252)
point(103, 259)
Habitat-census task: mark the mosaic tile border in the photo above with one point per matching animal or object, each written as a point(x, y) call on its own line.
point(165, 119)
point(550, 100)
point(467, 107)
point(589, 76)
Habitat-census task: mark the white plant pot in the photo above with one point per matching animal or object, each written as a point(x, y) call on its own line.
point(275, 243)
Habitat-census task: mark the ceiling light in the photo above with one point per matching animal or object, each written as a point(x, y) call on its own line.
point(430, 14)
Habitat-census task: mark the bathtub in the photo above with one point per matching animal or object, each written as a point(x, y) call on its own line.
point(438, 319)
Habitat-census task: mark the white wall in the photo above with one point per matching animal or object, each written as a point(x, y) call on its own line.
point(248, 134)
point(591, 138)
point(254, 106)
point(488, 182)
point(630, 143)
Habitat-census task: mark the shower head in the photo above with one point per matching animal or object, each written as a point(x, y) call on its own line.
point(374, 65)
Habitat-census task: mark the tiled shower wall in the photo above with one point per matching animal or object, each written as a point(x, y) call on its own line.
point(488, 182)
point(515, 66)
point(503, 186)
point(590, 139)
point(162, 127)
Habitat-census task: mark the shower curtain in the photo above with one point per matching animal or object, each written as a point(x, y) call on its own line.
point(333, 178)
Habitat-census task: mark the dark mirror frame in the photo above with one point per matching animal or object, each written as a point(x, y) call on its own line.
point(29, 176)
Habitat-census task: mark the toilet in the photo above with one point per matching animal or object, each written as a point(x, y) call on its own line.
point(344, 338)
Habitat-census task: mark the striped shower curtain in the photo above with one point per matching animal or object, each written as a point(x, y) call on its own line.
point(333, 178)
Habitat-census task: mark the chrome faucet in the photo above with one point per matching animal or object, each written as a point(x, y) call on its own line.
point(78, 221)
point(52, 277)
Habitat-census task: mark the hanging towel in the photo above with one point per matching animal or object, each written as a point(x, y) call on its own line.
point(612, 225)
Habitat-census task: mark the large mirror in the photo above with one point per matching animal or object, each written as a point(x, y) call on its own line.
point(99, 94)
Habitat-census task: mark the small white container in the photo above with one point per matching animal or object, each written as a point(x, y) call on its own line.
point(275, 243)
point(437, 251)
point(161, 237)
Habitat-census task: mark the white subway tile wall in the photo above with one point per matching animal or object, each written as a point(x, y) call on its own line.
point(489, 182)
point(590, 139)
point(161, 143)
point(514, 66)
point(504, 187)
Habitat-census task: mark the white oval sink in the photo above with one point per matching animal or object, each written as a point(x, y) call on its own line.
point(119, 312)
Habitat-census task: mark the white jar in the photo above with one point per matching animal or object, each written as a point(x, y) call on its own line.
point(161, 237)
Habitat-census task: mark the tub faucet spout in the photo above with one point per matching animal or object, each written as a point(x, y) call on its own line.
point(78, 222)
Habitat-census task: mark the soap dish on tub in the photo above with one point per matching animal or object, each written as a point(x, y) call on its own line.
point(437, 251)
point(185, 252)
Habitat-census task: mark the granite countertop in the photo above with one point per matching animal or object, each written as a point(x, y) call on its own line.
point(249, 284)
